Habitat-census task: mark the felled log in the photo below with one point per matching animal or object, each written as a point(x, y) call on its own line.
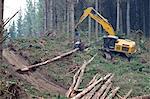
point(127, 95)
point(89, 88)
point(118, 95)
point(102, 89)
point(77, 78)
point(93, 80)
point(113, 93)
point(106, 92)
point(75, 69)
point(48, 61)
point(91, 93)
point(82, 72)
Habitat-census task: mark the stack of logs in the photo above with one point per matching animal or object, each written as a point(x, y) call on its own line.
point(97, 88)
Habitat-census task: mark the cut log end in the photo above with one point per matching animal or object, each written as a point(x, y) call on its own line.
point(24, 69)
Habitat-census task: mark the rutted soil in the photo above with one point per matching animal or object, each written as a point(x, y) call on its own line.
point(38, 79)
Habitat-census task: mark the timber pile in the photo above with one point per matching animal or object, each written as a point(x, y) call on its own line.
point(97, 88)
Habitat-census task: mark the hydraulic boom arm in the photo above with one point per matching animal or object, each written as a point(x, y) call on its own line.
point(98, 18)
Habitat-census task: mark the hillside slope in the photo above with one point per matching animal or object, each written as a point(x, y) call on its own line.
point(134, 74)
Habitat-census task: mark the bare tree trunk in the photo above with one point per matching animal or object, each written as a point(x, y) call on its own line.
point(54, 15)
point(72, 18)
point(121, 21)
point(50, 12)
point(118, 19)
point(89, 28)
point(68, 18)
point(34, 29)
point(149, 20)
point(96, 24)
point(128, 17)
point(1, 27)
point(43, 8)
point(144, 19)
point(45, 15)
point(65, 17)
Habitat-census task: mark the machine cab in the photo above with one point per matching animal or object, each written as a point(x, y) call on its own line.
point(109, 42)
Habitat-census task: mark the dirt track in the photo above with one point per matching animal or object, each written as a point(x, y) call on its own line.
point(36, 78)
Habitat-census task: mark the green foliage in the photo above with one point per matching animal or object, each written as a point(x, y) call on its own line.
point(20, 26)
point(31, 24)
point(39, 21)
point(12, 31)
point(29, 17)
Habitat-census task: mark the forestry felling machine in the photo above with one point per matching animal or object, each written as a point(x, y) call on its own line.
point(111, 43)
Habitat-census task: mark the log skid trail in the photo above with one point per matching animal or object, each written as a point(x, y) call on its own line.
point(36, 78)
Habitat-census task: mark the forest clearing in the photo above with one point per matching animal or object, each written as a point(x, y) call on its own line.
point(75, 49)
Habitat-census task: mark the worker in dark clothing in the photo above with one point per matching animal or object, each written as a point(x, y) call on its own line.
point(78, 43)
